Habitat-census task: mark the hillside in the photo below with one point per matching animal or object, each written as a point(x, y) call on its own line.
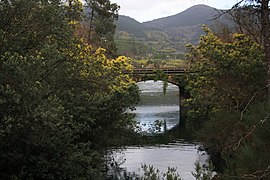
point(131, 26)
point(166, 35)
point(199, 14)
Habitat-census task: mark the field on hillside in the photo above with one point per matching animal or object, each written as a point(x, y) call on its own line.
point(158, 63)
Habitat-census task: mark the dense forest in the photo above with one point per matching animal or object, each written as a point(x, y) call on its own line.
point(65, 92)
point(63, 100)
point(229, 104)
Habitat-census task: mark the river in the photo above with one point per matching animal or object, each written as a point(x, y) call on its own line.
point(155, 105)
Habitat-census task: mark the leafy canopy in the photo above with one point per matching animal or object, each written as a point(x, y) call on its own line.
point(226, 74)
point(61, 104)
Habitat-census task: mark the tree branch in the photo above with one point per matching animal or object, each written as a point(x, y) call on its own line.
point(242, 113)
point(254, 127)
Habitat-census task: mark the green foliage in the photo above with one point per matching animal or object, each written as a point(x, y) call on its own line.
point(156, 127)
point(151, 173)
point(239, 139)
point(253, 146)
point(101, 18)
point(203, 173)
point(26, 25)
point(61, 104)
point(221, 133)
point(132, 48)
point(226, 75)
point(228, 78)
point(166, 64)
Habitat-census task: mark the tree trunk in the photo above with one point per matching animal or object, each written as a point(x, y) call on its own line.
point(90, 27)
point(266, 39)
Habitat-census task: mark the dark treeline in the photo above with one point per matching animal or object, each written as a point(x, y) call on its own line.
point(62, 101)
point(229, 104)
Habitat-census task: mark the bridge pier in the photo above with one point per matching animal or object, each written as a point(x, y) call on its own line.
point(182, 109)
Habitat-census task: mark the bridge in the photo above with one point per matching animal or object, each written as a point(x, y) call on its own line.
point(165, 74)
point(153, 71)
point(143, 74)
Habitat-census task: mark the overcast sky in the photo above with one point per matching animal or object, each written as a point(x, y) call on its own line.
point(146, 10)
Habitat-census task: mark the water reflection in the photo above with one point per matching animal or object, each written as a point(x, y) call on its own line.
point(179, 154)
point(155, 105)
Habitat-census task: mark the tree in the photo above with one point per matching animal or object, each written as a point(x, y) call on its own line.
point(228, 78)
point(226, 75)
point(247, 21)
point(101, 17)
point(61, 105)
point(261, 8)
point(74, 11)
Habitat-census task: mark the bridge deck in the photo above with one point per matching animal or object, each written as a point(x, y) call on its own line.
point(153, 71)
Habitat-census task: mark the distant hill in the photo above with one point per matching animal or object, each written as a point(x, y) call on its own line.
point(131, 26)
point(198, 14)
point(169, 34)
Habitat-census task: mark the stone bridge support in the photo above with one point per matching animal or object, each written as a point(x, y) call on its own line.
point(182, 109)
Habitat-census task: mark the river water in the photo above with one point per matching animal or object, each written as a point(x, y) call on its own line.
point(155, 105)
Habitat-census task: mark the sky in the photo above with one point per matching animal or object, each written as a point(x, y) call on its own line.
point(146, 10)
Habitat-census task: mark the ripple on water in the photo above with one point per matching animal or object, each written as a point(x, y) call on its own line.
point(157, 106)
point(180, 154)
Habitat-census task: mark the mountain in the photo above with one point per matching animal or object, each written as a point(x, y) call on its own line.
point(169, 34)
point(131, 26)
point(198, 14)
